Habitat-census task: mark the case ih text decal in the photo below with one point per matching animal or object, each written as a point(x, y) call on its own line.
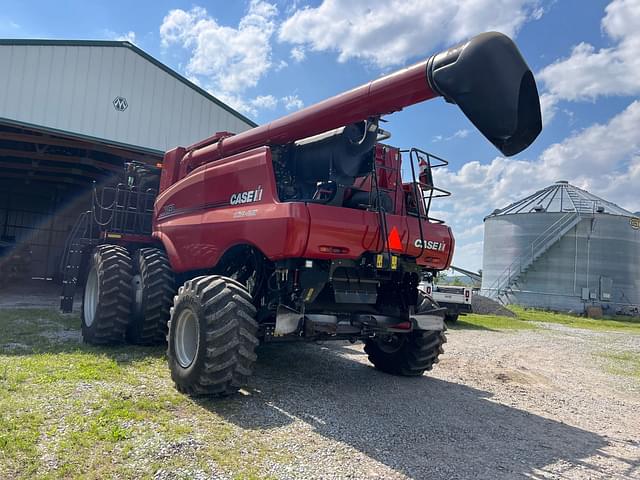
point(431, 245)
point(246, 197)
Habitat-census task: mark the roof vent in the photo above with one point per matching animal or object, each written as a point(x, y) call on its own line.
point(600, 209)
point(538, 208)
point(563, 182)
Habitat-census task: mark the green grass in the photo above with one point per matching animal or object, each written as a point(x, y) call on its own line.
point(529, 319)
point(491, 322)
point(626, 363)
point(69, 410)
point(620, 324)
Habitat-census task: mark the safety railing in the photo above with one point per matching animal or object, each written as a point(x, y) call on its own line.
point(537, 247)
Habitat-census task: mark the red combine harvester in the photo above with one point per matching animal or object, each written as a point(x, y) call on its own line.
point(300, 229)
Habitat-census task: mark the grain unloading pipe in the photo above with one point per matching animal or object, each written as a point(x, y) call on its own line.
point(486, 77)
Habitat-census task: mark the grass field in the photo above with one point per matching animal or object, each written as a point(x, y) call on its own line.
point(69, 410)
point(625, 363)
point(492, 322)
point(622, 324)
point(530, 319)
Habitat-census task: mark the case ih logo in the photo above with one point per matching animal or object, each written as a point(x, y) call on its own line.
point(430, 245)
point(246, 197)
point(120, 104)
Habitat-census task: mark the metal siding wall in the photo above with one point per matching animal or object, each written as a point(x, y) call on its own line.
point(72, 88)
point(506, 238)
point(611, 249)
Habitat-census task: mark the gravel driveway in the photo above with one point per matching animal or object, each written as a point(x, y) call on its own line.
point(535, 404)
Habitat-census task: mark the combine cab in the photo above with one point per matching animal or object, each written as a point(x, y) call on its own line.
point(298, 230)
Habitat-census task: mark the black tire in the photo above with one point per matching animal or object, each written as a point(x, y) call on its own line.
point(411, 354)
point(451, 317)
point(154, 288)
point(107, 297)
point(222, 358)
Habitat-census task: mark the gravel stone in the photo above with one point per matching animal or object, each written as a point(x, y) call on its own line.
point(526, 404)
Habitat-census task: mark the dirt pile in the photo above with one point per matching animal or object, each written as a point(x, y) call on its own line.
point(486, 306)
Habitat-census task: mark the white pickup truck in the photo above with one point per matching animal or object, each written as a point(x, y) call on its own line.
point(457, 300)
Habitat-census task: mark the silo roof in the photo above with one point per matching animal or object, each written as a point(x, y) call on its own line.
point(562, 197)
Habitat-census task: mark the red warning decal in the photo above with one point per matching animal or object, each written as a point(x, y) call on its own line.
point(394, 241)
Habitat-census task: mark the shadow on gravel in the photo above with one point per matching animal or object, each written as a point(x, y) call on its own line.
point(420, 427)
point(462, 325)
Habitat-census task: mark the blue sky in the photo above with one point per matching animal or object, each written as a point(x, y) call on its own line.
point(267, 58)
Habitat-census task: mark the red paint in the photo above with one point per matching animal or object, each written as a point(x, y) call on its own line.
point(170, 167)
point(196, 223)
point(382, 96)
point(198, 216)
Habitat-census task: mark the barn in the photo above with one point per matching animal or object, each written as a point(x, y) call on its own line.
point(71, 113)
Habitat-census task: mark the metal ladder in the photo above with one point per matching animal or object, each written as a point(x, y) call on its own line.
point(391, 172)
point(76, 245)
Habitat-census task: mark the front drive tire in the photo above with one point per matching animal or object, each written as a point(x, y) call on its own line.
point(212, 336)
point(408, 354)
point(107, 298)
point(154, 288)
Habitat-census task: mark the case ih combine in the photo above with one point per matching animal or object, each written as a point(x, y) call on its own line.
point(297, 230)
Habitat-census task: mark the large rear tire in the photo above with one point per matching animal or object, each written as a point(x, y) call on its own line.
point(154, 288)
point(107, 298)
point(408, 354)
point(212, 336)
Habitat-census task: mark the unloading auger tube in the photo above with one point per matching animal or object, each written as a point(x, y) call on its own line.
point(486, 77)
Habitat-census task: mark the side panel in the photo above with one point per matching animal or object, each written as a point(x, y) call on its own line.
point(227, 203)
point(356, 231)
point(439, 244)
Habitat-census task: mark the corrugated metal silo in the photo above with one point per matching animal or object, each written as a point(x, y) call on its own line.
point(563, 248)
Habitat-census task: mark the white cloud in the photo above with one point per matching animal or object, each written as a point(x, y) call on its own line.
point(589, 73)
point(603, 158)
point(227, 60)
point(281, 64)
point(265, 101)
point(388, 32)
point(298, 54)
point(292, 102)
point(261, 102)
point(463, 133)
point(548, 107)
point(129, 36)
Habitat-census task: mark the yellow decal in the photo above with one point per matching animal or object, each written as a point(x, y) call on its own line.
point(635, 223)
point(379, 260)
point(309, 295)
point(394, 262)
point(114, 235)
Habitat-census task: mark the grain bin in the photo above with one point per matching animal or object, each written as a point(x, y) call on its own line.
point(563, 248)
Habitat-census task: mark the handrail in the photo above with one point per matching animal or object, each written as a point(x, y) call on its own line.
point(540, 244)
